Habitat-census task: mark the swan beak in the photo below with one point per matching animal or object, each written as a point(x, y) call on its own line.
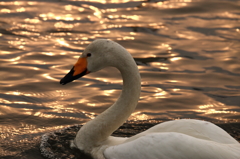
point(78, 70)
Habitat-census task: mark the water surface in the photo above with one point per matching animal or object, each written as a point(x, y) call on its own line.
point(187, 51)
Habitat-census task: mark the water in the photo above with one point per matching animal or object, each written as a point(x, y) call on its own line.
point(187, 51)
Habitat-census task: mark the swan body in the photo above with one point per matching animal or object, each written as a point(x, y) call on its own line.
point(178, 139)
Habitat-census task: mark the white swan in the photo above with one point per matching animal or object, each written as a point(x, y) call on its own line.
point(179, 139)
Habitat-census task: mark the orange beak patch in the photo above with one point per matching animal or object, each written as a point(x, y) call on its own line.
point(78, 70)
point(80, 66)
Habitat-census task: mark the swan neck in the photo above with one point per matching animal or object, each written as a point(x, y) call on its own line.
point(95, 132)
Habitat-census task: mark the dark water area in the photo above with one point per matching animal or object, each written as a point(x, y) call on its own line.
point(187, 51)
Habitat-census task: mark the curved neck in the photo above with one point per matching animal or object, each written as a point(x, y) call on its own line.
point(96, 131)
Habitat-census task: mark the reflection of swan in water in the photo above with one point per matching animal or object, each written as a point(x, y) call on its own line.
point(180, 139)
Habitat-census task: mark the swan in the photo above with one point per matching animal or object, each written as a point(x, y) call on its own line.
point(177, 139)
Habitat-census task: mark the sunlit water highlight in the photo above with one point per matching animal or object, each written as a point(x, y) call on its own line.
point(187, 51)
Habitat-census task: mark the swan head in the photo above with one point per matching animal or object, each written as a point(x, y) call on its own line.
point(99, 54)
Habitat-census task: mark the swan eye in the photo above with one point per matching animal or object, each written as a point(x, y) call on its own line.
point(89, 54)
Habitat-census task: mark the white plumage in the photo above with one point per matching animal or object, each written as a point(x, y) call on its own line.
point(178, 139)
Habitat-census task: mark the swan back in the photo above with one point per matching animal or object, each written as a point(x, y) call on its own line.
point(172, 145)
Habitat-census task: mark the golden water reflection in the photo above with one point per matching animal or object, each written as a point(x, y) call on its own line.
point(188, 60)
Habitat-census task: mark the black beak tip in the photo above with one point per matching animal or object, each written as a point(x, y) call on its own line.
point(62, 83)
point(67, 78)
